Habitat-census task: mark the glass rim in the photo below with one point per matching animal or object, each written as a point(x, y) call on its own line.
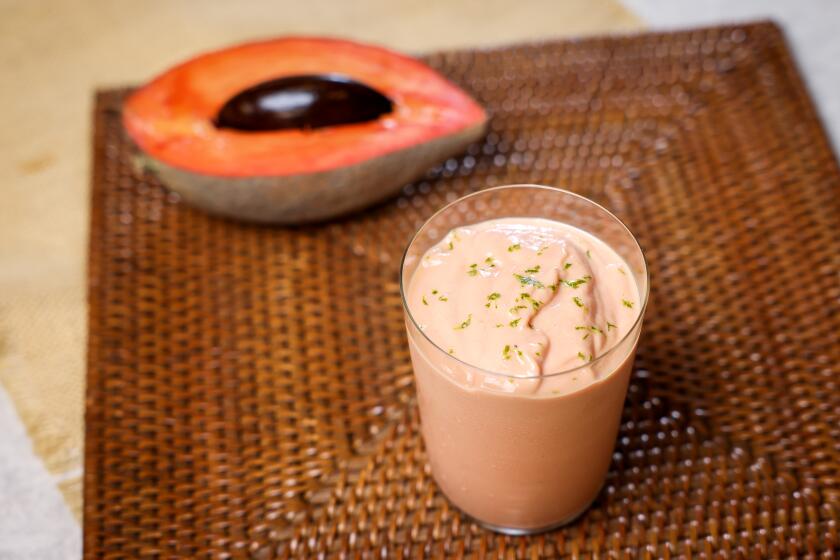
point(556, 190)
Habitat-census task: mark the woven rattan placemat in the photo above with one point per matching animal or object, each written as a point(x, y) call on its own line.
point(249, 387)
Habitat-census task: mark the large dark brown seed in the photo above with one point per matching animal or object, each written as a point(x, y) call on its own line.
point(302, 102)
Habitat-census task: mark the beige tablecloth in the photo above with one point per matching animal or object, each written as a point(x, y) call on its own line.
point(52, 57)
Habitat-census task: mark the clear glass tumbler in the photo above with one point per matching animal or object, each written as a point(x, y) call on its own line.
point(518, 463)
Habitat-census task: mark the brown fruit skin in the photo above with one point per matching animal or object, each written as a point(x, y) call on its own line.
point(312, 197)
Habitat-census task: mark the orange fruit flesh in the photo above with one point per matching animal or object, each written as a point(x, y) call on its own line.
point(171, 117)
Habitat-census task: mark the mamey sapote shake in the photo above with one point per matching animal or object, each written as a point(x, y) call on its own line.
point(523, 312)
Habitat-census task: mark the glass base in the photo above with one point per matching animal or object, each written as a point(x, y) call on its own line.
point(518, 532)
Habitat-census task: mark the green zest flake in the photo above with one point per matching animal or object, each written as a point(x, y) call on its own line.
point(527, 297)
point(583, 357)
point(490, 262)
point(516, 308)
point(577, 283)
point(542, 250)
point(533, 270)
point(506, 352)
point(514, 247)
point(567, 266)
point(424, 301)
point(528, 281)
point(518, 351)
point(451, 351)
point(473, 269)
point(443, 298)
point(515, 322)
point(494, 296)
point(434, 292)
point(626, 303)
point(578, 301)
point(464, 324)
point(611, 326)
point(553, 287)
point(452, 240)
point(537, 354)
point(588, 254)
point(621, 270)
point(499, 325)
point(592, 328)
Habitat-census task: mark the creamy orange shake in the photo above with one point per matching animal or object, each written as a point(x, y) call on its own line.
point(514, 323)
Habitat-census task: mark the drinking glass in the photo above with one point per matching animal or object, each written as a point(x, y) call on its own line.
point(521, 463)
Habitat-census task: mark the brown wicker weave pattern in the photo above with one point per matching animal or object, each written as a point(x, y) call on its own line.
point(250, 391)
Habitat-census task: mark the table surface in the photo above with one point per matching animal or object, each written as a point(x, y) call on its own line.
point(57, 54)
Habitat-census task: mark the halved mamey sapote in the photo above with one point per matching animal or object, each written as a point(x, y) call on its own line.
point(298, 129)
